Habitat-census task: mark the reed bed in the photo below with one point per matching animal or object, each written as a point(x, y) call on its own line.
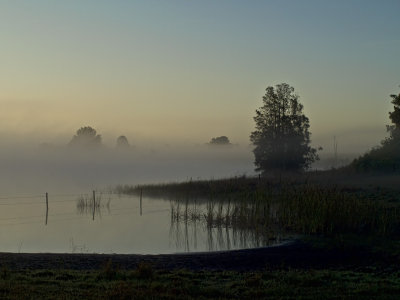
point(291, 205)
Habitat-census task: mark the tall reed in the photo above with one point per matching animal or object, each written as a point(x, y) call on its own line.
point(302, 208)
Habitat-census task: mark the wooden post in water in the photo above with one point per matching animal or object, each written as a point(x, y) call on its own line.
point(94, 203)
point(141, 194)
point(47, 206)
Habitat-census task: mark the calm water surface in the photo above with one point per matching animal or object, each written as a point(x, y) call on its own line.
point(119, 226)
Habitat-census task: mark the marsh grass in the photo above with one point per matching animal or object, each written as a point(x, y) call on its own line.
point(291, 204)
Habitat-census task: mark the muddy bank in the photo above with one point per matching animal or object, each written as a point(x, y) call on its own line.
point(293, 255)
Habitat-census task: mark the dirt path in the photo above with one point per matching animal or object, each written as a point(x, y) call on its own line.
point(294, 255)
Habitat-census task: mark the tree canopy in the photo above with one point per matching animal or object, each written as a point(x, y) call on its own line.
point(282, 139)
point(86, 137)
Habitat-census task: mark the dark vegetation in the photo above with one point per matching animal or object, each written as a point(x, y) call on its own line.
point(386, 157)
point(110, 282)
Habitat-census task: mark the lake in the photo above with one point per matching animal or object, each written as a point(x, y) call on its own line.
point(120, 224)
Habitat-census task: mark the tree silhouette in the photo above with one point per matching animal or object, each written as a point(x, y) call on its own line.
point(86, 137)
point(395, 118)
point(386, 157)
point(221, 140)
point(281, 139)
point(122, 142)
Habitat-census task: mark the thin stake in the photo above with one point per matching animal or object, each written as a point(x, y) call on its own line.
point(94, 203)
point(47, 206)
point(141, 193)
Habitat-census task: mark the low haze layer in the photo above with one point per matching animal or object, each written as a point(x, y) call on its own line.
point(173, 75)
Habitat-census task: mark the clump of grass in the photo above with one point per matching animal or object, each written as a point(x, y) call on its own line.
point(85, 204)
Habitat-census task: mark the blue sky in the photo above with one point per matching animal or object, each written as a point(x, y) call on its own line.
point(186, 71)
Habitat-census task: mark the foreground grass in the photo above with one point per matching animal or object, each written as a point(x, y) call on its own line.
point(144, 283)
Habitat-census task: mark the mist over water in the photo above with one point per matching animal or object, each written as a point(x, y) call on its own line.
point(28, 167)
point(40, 169)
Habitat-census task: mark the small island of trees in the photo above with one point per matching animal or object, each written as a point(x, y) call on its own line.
point(221, 140)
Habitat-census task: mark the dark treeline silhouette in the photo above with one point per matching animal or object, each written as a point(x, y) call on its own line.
point(385, 157)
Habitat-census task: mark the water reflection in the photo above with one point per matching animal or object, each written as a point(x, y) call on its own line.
point(191, 219)
point(184, 235)
point(120, 224)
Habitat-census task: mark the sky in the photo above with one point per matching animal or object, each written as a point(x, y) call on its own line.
point(182, 72)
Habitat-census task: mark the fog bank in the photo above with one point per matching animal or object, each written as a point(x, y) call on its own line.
point(64, 169)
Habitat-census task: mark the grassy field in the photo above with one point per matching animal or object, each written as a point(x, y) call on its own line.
point(145, 283)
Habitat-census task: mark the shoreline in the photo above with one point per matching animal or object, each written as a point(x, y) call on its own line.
point(295, 255)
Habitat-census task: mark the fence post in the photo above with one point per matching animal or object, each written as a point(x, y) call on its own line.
point(141, 193)
point(47, 206)
point(94, 203)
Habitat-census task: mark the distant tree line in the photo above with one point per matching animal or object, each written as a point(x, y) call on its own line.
point(87, 137)
point(281, 137)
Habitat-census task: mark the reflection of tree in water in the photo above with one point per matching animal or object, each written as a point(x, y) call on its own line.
point(219, 223)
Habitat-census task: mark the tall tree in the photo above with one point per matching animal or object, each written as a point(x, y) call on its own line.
point(281, 139)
